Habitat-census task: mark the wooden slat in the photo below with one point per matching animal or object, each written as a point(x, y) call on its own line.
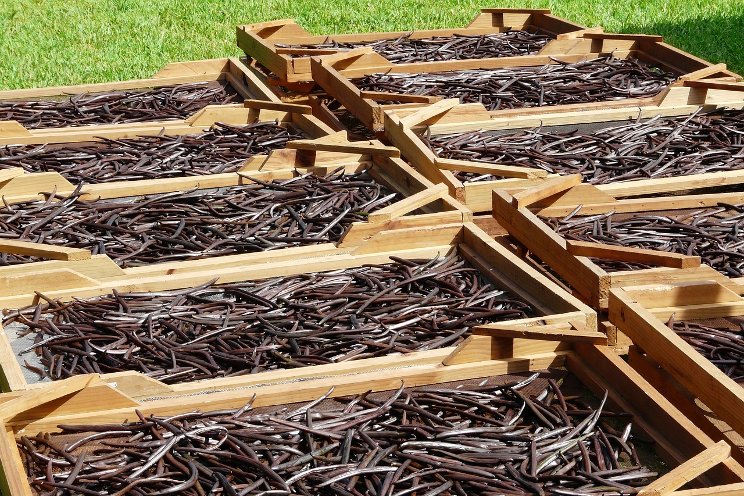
point(630, 254)
point(488, 168)
point(557, 332)
point(409, 204)
point(400, 97)
point(548, 188)
point(688, 471)
point(371, 147)
point(722, 490)
point(682, 294)
point(281, 106)
point(703, 73)
point(428, 112)
point(41, 250)
point(715, 85)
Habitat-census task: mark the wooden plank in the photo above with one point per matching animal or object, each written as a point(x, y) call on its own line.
point(715, 85)
point(11, 375)
point(520, 276)
point(42, 250)
point(10, 173)
point(31, 399)
point(488, 168)
point(400, 97)
point(681, 294)
point(630, 254)
point(719, 392)
point(701, 311)
point(409, 204)
point(623, 36)
point(30, 281)
point(371, 147)
point(428, 112)
point(13, 479)
point(702, 73)
point(585, 277)
point(688, 471)
point(736, 489)
point(12, 129)
point(281, 106)
point(557, 332)
point(551, 186)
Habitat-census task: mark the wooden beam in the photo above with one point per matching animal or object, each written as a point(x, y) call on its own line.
point(487, 168)
point(400, 97)
point(715, 85)
point(688, 471)
point(624, 36)
point(371, 147)
point(280, 106)
point(703, 73)
point(409, 204)
point(428, 112)
point(10, 173)
point(556, 332)
point(31, 399)
point(548, 188)
point(736, 489)
point(630, 254)
point(42, 250)
point(682, 293)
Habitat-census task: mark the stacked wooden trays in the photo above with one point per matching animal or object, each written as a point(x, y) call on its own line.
point(336, 73)
point(407, 129)
point(285, 48)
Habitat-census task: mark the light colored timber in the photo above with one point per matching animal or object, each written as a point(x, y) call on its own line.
point(703, 73)
point(703, 379)
point(409, 204)
point(584, 276)
point(371, 147)
point(548, 188)
point(556, 332)
point(12, 480)
point(682, 294)
point(10, 173)
point(487, 168)
point(688, 471)
point(736, 489)
point(715, 85)
point(388, 95)
point(630, 254)
point(42, 250)
point(428, 112)
point(25, 402)
point(280, 106)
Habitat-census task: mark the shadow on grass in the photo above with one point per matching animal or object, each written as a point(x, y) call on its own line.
point(716, 39)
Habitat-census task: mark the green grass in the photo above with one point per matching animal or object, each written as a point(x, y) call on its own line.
point(53, 42)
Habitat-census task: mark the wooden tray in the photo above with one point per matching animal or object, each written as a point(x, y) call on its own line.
point(259, 41)
point(240, 77)
point(404, 128)
point(518, 214)
point(334, 73)
point(376, 241)
point(86, 400)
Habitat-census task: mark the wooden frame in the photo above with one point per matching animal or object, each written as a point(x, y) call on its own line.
point(259, 41)
point(570, 260)
point(242, 78)
point(671, 364)
point(93, 399)
point(334, 74)
point(375, 241)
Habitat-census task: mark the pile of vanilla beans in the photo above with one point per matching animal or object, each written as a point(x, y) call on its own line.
point(284, 322)
point(715, 234)
point(223, 148)
point(722, 345)
point(654, 148)
point(133, 231)
point(149, 104)
point(404, 49)
point(478, 438)
point(596, 80)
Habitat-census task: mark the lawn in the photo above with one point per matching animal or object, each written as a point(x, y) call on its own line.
point(53, 42)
